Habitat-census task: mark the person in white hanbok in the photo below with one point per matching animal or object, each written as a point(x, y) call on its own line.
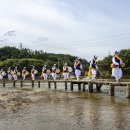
point(1, 73)
point(24, 71)
point(15, 73)
point(78, 68)
point(44, 72)
point(54, 72)
point(117, 64)
point(33, 73)
point(65, 71)
point(9, 72)
point(93, 65)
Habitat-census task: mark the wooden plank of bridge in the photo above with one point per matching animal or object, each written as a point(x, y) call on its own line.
point(111, 90)
point(128, 91)
point(90, 87)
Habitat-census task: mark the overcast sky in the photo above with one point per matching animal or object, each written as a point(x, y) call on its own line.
point(78, 27)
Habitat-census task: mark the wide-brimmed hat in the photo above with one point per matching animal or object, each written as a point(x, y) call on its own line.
point(117, 52)
point(95, 57)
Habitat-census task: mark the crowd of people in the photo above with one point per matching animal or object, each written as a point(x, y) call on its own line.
point(116, 65)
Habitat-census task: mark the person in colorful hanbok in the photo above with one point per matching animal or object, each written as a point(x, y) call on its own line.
point(54, 72)
point(65, 71)
point(117, 65)
point(93, 67)
point(78, 68)
point(44, 72)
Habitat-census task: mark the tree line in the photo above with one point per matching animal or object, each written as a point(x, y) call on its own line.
point(12, 56)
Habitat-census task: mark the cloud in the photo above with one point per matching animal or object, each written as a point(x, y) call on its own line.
point(10, 33)
point(81, 28)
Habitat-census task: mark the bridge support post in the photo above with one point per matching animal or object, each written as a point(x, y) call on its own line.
point(21, 83)
point(111, 90)
point(98, 87)
point(3, 83)
point(32, 83)
point(55, 85)
point(38, 84)
point(79, 86)
point(90, 87)
point(14, 83)
point(65, 85)
point(83, 86)
point(128, 91)
point(71, 86)
point(49, 84)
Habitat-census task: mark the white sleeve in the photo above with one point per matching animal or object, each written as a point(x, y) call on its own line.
point(81, 66)
point(114, 62)
point(75, 65)
point(121, 62)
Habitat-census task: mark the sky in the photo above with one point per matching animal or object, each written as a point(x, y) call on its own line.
point(82, 28)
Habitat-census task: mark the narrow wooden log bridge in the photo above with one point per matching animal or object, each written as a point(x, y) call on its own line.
point(90, 84)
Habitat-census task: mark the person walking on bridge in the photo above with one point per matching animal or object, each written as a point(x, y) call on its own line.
point(78, 68)
point(117, 64)
point(93, 68)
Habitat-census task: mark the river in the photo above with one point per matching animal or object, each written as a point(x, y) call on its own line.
point(50, 109)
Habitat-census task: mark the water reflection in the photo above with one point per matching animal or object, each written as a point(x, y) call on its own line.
point(56, 110)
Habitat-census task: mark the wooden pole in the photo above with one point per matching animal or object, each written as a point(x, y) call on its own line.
point(83, 86)
point(71, 86)
point(32, 83)
point(90, 87)
point(3, 83)
point(65, 85)
point(111, 90)
point(98, 87)
point(14, 83)
point(21, 83)
point(38, 84)
point(49, 84)
point(79, 86)
point(55, 85)
point(128, 91)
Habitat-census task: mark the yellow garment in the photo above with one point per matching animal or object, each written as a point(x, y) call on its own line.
point(90, 72)
point(118, 57)
point(112, 65)
point(77, 63)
